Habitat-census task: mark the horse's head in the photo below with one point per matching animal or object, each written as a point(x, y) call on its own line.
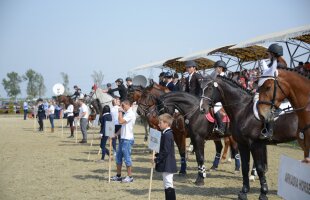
point(271, 93)
point(210, 93)
point(134, 93)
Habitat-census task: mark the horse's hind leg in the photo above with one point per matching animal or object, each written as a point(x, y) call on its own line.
point(145, 124)
point(218, 147)
point(245, 167)
point(180, 140)
point(226, 147)
point(259, 154)
point(198, 144)
point(235, 154)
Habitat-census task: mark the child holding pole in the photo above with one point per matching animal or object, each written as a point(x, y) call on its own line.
point(106, 116)
point(165, 159)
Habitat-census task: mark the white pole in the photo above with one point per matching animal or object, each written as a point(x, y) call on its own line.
point(151, 176)
point(110, 162)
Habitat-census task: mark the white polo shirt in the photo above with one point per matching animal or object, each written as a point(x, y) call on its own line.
point(69, 110)
point(127, 128)
point(84, 108)
point(114, 113)
point(51, 110)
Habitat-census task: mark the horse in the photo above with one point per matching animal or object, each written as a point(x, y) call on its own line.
point(245, 128)
point(67, 100)
point(294, 86)
point(147, 106)
point(133, 95)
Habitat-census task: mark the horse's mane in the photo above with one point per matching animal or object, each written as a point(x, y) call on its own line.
point(235, 84)
point(178, 94)
point(295, 70)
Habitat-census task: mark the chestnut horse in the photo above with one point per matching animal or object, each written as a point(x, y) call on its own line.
point(294, 86)
point(238, 104)
point(67, 100)
point(148, 106)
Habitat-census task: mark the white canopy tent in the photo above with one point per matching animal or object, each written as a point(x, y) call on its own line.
point(273, 37)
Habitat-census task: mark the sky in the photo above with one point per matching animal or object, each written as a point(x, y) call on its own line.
point(79, 37)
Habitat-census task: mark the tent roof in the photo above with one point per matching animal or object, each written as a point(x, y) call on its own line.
point(294, 33)
point(179, 66)
point(246, 54)
point(157, 64)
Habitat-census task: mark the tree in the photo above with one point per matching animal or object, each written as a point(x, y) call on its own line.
point(98, 78)
point(11, 85)
point(40, 85)
point(65, 79)
point(35, 86)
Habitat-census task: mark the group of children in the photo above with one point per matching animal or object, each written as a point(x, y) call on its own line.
point(165, 161)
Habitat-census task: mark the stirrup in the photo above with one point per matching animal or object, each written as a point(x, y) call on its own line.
point(264, 134)
point(218, 131)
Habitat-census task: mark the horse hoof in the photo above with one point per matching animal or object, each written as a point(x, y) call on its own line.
point(199, 183)
point(263, 196)
point(252, 178)
point(242, 196)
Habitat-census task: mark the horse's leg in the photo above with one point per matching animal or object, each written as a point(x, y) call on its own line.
point(180, 140)
point(218, 147)
point(145, 124)
point(253, 173)
point(198, 143)
point(227, 145)
point(235, 153)
point(259, 154)
point(245, 162)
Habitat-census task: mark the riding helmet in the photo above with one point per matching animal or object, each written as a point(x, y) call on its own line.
point(190, 63)
point(276, 49)
point(168, 75)
point(109, 85)
point(120, 80)
point(162, 74)
point(220, 63)
point(128, 79)
point(175, 75)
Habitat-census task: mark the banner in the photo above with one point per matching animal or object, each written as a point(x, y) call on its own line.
point(294, 179)
point(154, 142)
point(109, 129)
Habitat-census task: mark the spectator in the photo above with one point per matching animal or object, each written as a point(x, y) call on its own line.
point(70, 118)
point(83, 116)
point(25, 105)
point(41, 113)
point(106, 116)
point(51, 114)
point(165, 159)
point(114, 112)
point(127, 140)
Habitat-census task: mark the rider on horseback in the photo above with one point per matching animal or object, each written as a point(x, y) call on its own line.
point(220, 69)
point(77, 93)
point(275, 53)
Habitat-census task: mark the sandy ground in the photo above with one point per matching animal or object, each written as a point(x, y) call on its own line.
point(52, 166)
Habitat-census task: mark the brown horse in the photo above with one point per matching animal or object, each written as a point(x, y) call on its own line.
point(295, 87)
point(148, 107)
point(67, 100)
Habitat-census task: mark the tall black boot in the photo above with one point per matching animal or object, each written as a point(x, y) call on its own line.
point(72, 132)
point(170, 194)
point(220, 129)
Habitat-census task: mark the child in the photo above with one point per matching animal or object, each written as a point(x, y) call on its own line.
point(106, 116)
point(165, 159)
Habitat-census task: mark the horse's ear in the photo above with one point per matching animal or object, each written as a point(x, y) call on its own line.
point(151, 82)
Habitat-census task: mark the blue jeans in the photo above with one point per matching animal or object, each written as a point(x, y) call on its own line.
point(51, 117)
point(25, 114)
point(124, 151)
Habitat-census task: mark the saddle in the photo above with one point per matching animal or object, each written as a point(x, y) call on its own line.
point(211, 119)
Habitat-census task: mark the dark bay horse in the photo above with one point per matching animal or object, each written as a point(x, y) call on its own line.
point(245, 128)
point(199, 128)
point(148, 106)
point(294, 86)
point(67, 100)
point(133, 95)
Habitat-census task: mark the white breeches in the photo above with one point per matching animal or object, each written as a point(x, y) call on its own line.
point(168, 180)
point(217, 107)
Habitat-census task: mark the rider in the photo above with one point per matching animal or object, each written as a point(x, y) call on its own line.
point(168, 81)
point(77, 92)
point(161, 79)
point(275, 53)
point(129, 83)
point(220, 69)
point(177, 83)
point(122, 90)
point(192, 82)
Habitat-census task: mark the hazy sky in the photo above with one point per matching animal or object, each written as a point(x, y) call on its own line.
point(78, 37)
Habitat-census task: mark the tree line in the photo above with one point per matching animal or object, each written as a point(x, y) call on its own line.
point(35, 83)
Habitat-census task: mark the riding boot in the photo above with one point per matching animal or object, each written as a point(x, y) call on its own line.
point(220, 129)
point(52, 130)
point(72, 132)
point(170, 194)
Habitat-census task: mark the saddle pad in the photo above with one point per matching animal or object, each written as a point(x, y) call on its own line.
point(209, 117)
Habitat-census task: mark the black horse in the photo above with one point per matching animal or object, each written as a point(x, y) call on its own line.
point(196, 123)
point(238, 104)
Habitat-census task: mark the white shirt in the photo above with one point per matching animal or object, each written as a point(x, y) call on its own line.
point(83, 109)
point(114, 114)
point(69, 110)
point(51, 110)
point(127, 128)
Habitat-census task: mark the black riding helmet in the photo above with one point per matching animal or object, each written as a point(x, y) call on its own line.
point(220, 63)
point(128, 79)
point(168, 75)
point(276, 49)
point(162, 74)
point(120, 80)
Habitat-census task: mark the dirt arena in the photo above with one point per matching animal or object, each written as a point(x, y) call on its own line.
point(52, 166)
